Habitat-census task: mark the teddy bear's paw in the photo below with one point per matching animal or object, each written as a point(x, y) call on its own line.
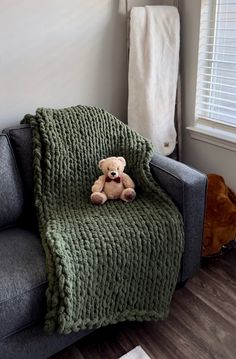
point(128, 195)
point(98, 198)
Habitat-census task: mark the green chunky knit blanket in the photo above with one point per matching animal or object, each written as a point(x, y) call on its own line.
point(109, 263)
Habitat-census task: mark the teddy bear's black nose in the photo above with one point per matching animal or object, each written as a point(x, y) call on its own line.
point(113, 173)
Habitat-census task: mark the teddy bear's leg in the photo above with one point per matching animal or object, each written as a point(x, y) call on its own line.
point(98, 197)
point(128, 195)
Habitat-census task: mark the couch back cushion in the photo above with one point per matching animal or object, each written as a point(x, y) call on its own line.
point(11, 191)
point(21, 142)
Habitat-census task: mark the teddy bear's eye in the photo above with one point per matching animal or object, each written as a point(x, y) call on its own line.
point(118, 168)
point(108, 169)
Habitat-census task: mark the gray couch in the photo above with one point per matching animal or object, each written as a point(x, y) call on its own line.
point(23, 278)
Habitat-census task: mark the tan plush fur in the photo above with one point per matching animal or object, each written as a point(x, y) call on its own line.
point(220, 220)
point(114, 183)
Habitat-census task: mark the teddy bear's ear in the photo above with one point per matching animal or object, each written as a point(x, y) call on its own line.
point(121, 159)
point(100, 163)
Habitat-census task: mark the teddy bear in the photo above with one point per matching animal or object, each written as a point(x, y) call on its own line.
point(114, 183)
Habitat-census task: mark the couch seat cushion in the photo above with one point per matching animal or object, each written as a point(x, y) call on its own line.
point(22, 280)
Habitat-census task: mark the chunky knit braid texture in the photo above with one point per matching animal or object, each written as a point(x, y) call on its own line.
point(109, 263)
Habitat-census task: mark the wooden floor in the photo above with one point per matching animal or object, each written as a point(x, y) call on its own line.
point(201, 324)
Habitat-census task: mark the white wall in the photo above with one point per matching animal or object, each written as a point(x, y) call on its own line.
point(201, 155)
point(57, 53)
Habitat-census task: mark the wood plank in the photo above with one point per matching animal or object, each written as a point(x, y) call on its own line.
point(216, 295)
point(205, 325)
point(72, 352)
point(139, 334)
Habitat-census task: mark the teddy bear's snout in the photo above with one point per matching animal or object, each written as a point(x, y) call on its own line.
point(113, 174)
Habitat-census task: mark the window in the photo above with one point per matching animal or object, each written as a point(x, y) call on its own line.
point(215, 110)
point(216, 80)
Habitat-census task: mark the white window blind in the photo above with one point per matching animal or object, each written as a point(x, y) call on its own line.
point(216, 80)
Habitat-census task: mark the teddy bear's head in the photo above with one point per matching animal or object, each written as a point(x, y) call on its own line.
point(112, 167)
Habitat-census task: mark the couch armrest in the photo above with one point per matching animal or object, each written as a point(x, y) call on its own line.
point(187, 188)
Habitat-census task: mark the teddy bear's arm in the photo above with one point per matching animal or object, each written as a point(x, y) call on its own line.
point(98, 184)
point(127, 181)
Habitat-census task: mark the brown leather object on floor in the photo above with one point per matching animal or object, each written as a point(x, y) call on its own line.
point(220, 218)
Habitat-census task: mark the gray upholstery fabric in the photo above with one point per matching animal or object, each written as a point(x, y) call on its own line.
point(22, 280)
point(21, 142)
point(187, 188)
point(11, 195)
point(33, 343)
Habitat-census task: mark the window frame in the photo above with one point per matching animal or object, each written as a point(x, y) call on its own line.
point(205, 129)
